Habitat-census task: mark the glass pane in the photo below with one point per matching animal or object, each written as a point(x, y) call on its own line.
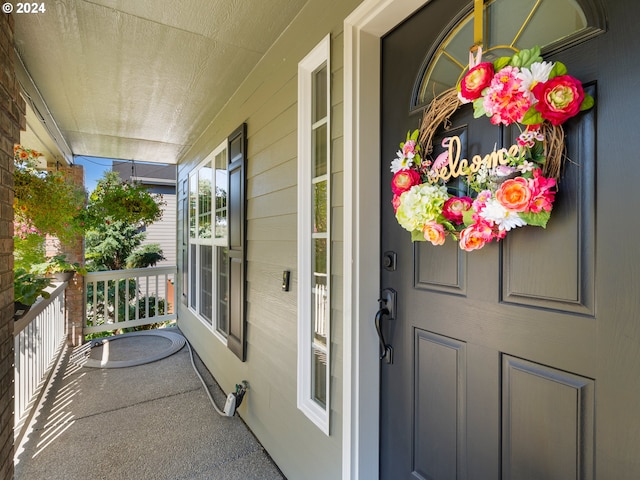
point(553, 21)
point(499, 32)
point(320, 310)
point(320, 150)
point(320, 94)
point(460, 39)
point(186, 268)
point(184, 205)
point(320, 256)
point(204, 202)
point(193, 199)
point(206, 278)
point(319, 385)
point(222, 297)
point(320, 207)
point(193, 269)
point(221, 195)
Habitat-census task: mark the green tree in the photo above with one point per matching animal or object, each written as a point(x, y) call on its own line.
point(116, 245)
point(45, 202)
point(115, 200)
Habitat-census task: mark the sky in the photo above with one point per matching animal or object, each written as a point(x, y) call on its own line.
point(94, 168)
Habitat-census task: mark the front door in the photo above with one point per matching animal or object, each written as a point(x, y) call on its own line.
point(493, 372)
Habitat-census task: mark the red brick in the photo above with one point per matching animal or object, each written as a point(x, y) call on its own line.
point(12, 108)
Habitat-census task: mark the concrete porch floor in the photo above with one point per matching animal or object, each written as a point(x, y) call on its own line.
point(151, 421)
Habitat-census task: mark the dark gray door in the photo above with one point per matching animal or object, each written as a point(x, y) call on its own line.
point(494, 372)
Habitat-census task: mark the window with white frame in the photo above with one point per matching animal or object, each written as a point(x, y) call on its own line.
point(314, 235)
point(208, 251)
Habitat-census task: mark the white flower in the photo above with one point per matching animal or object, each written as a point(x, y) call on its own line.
point(483, 175)
point(401, 163)
point(529, 77)
point(495, 212)
point(526, 166)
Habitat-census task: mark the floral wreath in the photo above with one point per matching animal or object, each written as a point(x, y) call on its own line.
point(512, 187)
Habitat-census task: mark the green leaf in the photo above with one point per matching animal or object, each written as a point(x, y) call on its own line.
point(417, 236)
point(536, 219)
point(587, 103)
point(450, 227)
point(500, 63)
point(532, 117)
point(536, 153)
point(526, 58)
point(558, 69)
point(414, 135)
point(478, 108)
point(537, 150)
point(467, 217)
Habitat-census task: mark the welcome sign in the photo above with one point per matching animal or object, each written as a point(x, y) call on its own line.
point(457, 167)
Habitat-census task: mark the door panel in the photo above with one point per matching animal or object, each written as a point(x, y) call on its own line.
point(484, 341)
point(445, 272)
point(547, 423)
point(439, 403)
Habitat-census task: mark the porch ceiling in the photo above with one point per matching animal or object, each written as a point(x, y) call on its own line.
point(142, 79)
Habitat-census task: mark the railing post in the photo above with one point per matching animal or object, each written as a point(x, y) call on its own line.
point(75, 315)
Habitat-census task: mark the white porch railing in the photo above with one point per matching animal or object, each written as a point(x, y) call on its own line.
point(38, 338)
point(129, 298)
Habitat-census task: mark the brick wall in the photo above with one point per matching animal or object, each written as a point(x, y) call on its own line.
point(74, 250)
point(74, 293)
point(12, 119)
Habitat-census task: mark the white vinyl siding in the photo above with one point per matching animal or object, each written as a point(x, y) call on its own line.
point(268, 102)
point(163, 232)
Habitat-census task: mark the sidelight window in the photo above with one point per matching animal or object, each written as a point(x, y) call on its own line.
point(314, 235)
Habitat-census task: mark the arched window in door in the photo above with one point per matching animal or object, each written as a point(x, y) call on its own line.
point(508, 26)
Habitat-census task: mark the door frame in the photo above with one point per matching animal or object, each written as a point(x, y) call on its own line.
point(363, 29)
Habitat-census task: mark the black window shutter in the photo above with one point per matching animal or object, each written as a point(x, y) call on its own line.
point(236, 340)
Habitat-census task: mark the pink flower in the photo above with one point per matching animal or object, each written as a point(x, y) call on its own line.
point(529, 137)
point(514, 194)
point(403, 180)
point(476, 80)
point(434, 232)
point(395, 202)
point(542, 192)
point(505, 100)
point(475, 236)
point(454, 208)
point(409, 148)
point(480, 201)
point(559, 98)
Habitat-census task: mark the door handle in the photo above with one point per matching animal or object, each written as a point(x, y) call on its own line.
point(387, 309)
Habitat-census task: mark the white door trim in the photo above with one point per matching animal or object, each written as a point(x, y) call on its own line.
point(362, 32)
